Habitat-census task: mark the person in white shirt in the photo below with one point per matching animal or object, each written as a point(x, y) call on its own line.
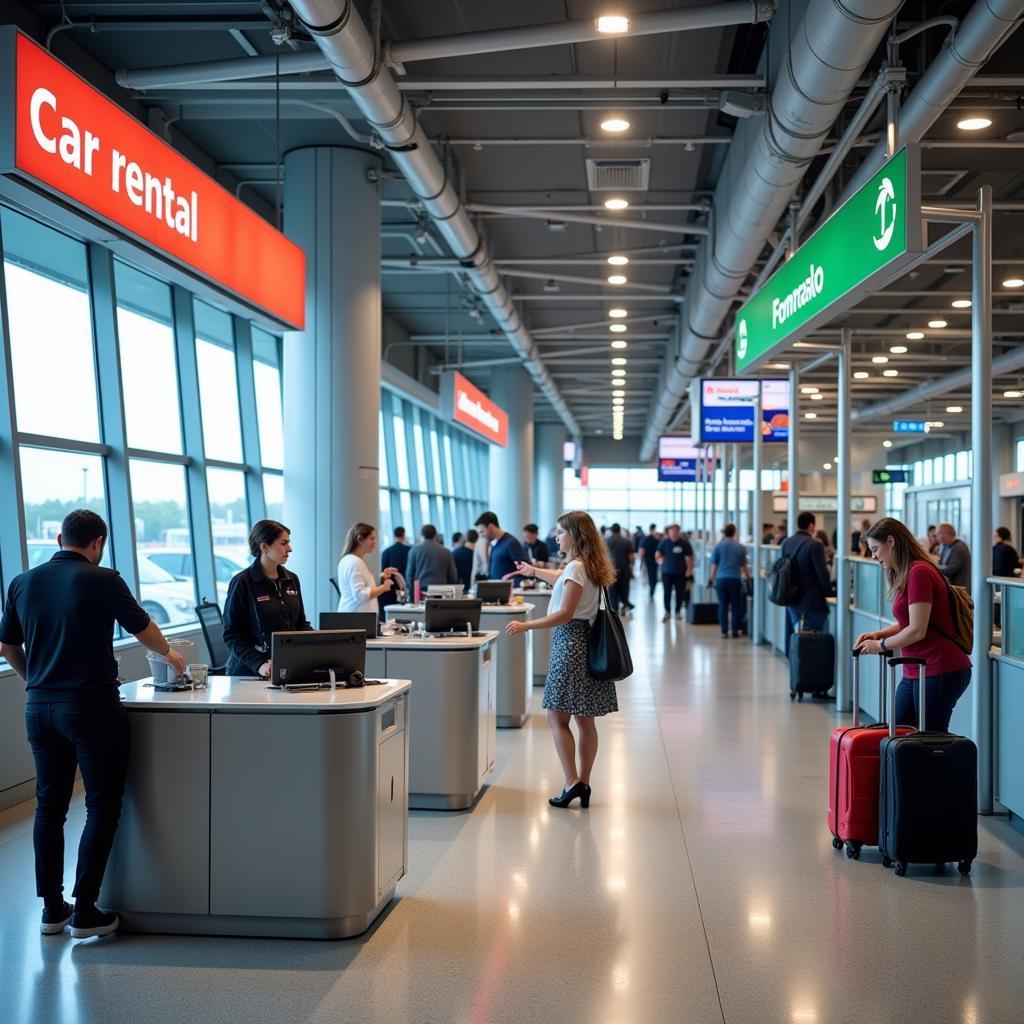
point(481, 557)
point(356, 583)
point(570, 692)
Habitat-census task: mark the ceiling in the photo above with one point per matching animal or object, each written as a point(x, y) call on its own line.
point(529, 146)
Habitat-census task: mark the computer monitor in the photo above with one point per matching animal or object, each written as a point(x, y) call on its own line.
point(448, 590)
point(304, 657)
point(352, 620)
point(451, 616)
point(494, 591)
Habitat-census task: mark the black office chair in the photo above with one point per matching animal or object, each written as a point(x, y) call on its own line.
point(212, 623)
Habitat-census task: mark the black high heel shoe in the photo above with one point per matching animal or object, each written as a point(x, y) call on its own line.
point(581, 790)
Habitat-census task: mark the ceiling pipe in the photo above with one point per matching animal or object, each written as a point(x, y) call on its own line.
point(585, 218)
point(1009, 362)
point(987, 25)
point(716, 15)
point(766, 163)
point(340, 33)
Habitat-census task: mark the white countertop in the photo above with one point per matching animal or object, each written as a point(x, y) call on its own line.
point(487, 609)
point(240, 694)
point(445, 643)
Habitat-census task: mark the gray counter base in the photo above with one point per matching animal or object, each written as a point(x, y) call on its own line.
point(513, 721)
point(444, 801)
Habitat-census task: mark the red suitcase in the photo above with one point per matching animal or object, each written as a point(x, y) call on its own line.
point(853, 775)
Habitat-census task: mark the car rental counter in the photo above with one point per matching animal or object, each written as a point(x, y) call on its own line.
point(252, 811)
point(515, 674)
point(454, 705)
point(540, 598)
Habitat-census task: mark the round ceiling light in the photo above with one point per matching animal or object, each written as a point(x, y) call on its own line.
point(808, 390)
point(810, 415)
point(937, 324)
point(898, 350)
point(880, 360)
point(915, 335)
point(890, 373)
point(617, 313)
point(618, 394)
point(887, 444)
point(617, 279)
point(619, 343)
point(817, 398)
point(826, 465)
point(1013, 394)
point(619, 361)
point(612, 23)
point(616, 203)
point(861, 375)
point(618, 261)
point(618, 328)
point(954, 408)
point(973, 124)
point(615, 124)
point(1014, 282)
point(961, 303)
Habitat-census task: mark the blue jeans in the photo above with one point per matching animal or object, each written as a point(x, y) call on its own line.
point(730, 596)
point(941, 694)
point(815, 622)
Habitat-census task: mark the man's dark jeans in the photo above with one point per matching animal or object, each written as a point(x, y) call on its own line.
point(730, 596)
point(618, 593)
point(941, 694)
point(652, 574)
point(673, 583)
point(64, 736)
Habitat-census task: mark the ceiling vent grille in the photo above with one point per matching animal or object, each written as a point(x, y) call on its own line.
point(618, 175)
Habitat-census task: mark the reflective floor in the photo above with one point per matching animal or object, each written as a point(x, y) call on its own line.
point(700, 887)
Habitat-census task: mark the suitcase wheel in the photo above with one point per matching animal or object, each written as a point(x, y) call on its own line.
point(853, 850)
point(887, 862)
point(837, 843)
point(901, 869)
point(964, 867)
point(792, 696)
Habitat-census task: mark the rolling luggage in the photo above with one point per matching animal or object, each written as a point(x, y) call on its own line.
point(812, 663)
point(853, 774)
point(700, 611)
point(928, 795)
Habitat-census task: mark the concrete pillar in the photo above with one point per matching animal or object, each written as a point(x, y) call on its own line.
point(332, 368)
point(511, 468)
point(548, 503)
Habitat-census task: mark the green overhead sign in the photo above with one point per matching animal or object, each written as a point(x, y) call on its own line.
point(866, 242)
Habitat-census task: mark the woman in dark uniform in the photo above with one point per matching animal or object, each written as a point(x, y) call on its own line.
point(262, 600)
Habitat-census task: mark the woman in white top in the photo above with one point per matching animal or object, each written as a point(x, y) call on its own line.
point(570, 691)
point(359, 590)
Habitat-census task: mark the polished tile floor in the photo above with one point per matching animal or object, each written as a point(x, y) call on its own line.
point(700, 887)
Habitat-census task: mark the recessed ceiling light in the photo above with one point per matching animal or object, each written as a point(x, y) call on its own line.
point(861, 375)
point(617, 279)
point(615, 124)
point(617, 313)
point(954, 408)
point(880, 360)
point(619, 361)
point(618, 394)
point(935, 424)
point(778, 366)
point(961, 303)
point(887, 444)
point(612, 23)
point(808, 390)
point(1013, 394)
point(618, 328)
point(618, 261)
point(973, 124)
point(817, 398)
point(616, 203)
point(617, 401)
point(810, 415)
point(619, 343)
point(618, 372)
point(898, 350)
point(826, 465)
point(890, 373)
point(1014, 282)
point(937, 324)
point(915, 335)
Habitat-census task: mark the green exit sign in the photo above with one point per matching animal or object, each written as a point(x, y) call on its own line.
point(864, 244)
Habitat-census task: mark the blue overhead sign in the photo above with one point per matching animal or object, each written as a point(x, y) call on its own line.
point(674, 471)
point(909, 427)
point(727, 410)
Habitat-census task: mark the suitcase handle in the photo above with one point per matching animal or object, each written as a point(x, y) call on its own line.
point(894, 664)
point(857, 652)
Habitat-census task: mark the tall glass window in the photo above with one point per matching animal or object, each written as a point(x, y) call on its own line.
point(266, 372)
point(218, 384)
point(1020, 456)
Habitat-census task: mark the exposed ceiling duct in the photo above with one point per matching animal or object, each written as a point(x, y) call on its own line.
point(987, 25)
point(766, 162)
point(341, 35)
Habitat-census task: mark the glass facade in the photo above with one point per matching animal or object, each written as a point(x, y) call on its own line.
point(125, 401)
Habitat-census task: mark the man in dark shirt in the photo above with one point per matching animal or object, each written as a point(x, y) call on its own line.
point(648, 548)
point(1005, 559)
point(505, 549)
point(396, 556)
point(620, 548)
point(536, 549)
point(811, 574)
point(462, 553)
point(954, 556)
point(675, 556)
point(430, 562)
point(57, 634)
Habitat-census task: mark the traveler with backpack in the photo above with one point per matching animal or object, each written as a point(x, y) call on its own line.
point(933, 622)
point(808, 579)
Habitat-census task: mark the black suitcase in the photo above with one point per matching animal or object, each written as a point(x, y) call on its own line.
point(928, 793)
point(812, 663)
point(700, 611)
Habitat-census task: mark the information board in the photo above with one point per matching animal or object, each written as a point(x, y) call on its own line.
point(909, 427)
point(727, 410)
point(888, 476)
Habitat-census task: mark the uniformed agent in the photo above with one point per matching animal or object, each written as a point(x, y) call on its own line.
point(262, 600)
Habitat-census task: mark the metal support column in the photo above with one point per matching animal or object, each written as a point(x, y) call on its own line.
point(792, 450)
point(736, 489)
point(759, 584)
point(981, 493)
point(844, 480)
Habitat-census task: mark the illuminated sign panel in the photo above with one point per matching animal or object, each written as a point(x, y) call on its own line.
point(467, 404)
point(727, 410)
point(76, 143)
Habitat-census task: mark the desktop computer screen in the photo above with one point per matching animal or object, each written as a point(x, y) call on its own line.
point(305, 657)
point(451, 616)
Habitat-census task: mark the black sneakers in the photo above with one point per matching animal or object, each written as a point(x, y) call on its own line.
point(56, 918)
point(89, 921)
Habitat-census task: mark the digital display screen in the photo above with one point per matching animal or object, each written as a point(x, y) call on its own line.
point(727, 410)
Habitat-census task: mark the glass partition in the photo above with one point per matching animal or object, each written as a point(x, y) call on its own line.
point(868, 588)
point(1013, 621)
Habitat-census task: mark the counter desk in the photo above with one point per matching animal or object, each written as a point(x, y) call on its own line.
point(513, 654)
point(252, 811)
point(541, 638)
point(454, 706)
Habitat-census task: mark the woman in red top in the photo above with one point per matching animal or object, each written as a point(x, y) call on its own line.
point(920, 603)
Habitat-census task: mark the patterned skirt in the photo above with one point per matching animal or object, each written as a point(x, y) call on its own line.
point(569, 687)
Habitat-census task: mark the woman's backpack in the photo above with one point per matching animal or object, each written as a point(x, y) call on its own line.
point(961, 611)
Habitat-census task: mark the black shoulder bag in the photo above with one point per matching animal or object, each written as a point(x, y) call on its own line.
point(608, 656)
